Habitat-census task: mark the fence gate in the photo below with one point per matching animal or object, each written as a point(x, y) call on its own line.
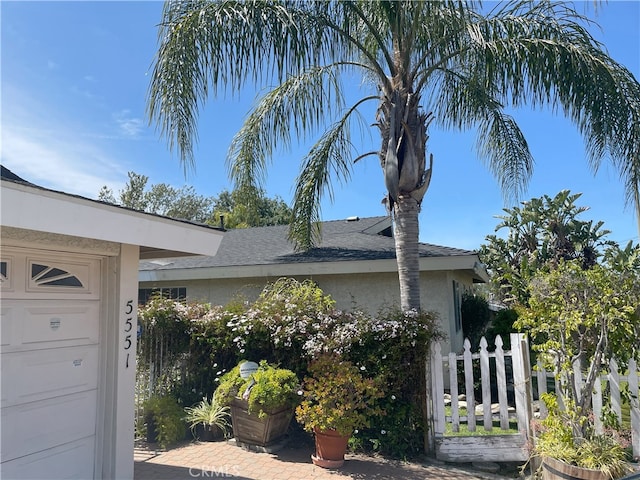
point(496, 428)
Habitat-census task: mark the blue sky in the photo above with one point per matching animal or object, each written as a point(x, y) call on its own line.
point(74, 84)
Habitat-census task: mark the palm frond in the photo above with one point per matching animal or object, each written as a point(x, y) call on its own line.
point(205, 44)
point(326, 160)
point(298, 106)
point(542, 54)
point(506, 153)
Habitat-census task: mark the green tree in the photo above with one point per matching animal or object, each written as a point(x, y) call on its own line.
point(185, 203)
point(581, 318)
point(161, 199)
point(540, 233)
point(443, 61)
point(263, 212)
point(132, 196)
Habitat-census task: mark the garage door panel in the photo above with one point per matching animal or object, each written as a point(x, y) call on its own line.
point(37, 324)
point(72, 461)
point(39, 374)
point(37, 426)
point(62, 322)
point(6, 327)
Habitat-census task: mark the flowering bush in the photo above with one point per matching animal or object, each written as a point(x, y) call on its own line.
point(393, 348)
point(337, 396)
point(290, 324)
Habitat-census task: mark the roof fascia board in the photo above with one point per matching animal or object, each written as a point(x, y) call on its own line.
point(44, 210)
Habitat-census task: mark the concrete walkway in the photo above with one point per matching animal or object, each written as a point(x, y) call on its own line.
point(224, 459)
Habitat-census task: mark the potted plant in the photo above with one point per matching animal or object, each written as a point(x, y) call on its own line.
point(261, 402)
point(164, 420)
point(568, 447)
point(337, 400)
point(209, 420)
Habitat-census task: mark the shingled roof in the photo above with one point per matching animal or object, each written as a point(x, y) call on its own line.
point(342, 240)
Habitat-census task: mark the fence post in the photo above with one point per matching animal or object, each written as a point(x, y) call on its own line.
point(614, 388)
point(521, 381)
point(541, 375)
point(596, 404)
point(635, 407)
point(486, 386)
point(433, 397)
point(453, 390)
point(502, 384)
point(468, 386)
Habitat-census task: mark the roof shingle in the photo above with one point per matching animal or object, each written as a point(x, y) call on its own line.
point(342, 240)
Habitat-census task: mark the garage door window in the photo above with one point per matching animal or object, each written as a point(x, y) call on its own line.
point(55, 277)
point(47, 275)
point(4, 272)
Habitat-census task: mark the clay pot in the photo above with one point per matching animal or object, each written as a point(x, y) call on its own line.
point(330, 448)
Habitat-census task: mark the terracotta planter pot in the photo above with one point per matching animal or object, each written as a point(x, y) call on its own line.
point(330, 448)
point(553, 469)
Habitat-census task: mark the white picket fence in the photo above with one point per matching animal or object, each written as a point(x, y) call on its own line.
point(510, 372)
point(507, 371)
point(611, 383)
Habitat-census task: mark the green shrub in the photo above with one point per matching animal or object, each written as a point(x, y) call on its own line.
point(269, 388)
point(166, 417)
point(393, 348)
point(475, 318)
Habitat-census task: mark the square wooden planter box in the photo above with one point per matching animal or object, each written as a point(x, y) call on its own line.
point(250, 429)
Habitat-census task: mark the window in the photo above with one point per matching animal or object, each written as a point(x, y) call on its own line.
point(457, 300)
point(4, 271)
point(173, 293)
point(45, 275)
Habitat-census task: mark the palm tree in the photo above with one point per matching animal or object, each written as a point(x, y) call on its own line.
point(451, 62)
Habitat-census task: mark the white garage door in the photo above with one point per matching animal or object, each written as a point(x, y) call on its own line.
point(49, 354)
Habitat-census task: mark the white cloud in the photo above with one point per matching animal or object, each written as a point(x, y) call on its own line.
point(48, 159)
point(128, 125)
point(54, 152)
point(48, 148)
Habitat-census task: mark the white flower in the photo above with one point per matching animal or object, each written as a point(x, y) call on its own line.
point(362, 368)
point(383, 432)
point(393, 397)
point(300, 392)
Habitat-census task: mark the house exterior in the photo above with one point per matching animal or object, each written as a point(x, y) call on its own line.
point(69, 285)
point(355, 264)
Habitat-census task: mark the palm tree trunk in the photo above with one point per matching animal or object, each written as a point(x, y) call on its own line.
point(406, 210)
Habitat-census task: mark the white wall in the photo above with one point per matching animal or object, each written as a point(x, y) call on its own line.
point(120, 361)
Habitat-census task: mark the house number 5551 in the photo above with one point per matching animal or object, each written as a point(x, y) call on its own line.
point(128, 327)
